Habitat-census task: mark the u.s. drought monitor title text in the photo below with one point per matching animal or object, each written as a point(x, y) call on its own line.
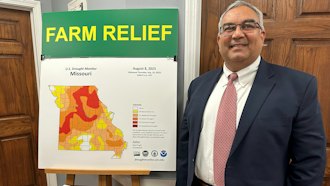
point(109, 33)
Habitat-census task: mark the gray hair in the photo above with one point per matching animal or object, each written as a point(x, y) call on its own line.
point(243, 3)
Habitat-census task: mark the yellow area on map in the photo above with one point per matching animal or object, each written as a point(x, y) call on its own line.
point(57, 92)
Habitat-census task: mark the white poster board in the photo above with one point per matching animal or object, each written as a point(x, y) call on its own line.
point(108, 114)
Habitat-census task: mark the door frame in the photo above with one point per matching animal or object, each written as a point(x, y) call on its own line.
point(192, 40)
point(36, 29)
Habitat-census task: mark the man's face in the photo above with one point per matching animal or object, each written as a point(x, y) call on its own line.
point(239, 49)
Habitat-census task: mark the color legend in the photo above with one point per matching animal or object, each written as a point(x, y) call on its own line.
point(135, 116)
point(143, 117)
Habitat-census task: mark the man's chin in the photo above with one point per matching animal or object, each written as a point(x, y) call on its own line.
point(237, 58)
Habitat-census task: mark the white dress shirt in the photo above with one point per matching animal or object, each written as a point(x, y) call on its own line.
point(243, 84)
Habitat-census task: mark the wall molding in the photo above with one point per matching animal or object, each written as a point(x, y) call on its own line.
point(193, 14)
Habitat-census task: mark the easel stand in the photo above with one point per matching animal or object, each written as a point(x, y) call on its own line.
point(105, 176)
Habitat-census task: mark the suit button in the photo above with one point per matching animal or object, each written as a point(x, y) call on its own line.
point(193, 160)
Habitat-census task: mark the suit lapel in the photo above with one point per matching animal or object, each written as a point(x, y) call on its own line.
point(262, 86)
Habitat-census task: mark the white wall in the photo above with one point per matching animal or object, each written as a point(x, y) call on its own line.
point(156, 178)
point(46, 5)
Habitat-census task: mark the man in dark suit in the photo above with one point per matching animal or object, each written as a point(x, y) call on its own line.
point(279, 138)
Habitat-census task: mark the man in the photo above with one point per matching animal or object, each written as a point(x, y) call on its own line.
point(278, 137)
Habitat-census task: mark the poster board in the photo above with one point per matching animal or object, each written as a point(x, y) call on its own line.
point(108, 105)
point(110, 33)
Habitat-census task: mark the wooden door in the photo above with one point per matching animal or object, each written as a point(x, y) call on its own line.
point(297, 36)
point(18, 102)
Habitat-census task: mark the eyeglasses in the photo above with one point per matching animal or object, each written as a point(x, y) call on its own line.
point(246, 27)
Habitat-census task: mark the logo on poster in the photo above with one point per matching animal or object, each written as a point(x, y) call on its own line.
point(145, 153)
point(154, 153)
point(163, 153)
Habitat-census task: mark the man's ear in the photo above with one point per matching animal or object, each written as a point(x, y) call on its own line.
point(218, 37)
point(263, 34)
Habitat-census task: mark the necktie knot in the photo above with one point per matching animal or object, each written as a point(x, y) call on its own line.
point(232, 77)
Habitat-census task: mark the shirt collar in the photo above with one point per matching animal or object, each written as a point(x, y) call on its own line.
point(246, 74)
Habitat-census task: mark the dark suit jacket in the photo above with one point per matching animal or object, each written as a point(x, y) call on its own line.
point(280, 139)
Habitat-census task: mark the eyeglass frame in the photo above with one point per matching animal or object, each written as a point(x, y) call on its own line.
point(257, 25)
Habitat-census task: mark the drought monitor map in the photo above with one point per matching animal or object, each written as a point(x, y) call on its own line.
point(85, 123)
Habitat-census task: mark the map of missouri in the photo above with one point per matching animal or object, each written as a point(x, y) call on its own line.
point(85, 122)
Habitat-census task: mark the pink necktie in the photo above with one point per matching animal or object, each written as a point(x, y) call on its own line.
point(225, 130)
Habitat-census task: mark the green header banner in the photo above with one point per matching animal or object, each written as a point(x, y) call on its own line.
point(110, 33)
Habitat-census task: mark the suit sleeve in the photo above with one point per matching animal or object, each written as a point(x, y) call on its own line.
point(308, 144)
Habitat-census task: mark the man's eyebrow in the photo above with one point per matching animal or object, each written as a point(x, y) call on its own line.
point(245, 21)
point(249, 20)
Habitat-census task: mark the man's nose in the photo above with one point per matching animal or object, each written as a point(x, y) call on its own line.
point(238, 32)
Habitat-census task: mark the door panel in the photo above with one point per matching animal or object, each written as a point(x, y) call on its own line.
point(297, 36)
point(19, 102)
